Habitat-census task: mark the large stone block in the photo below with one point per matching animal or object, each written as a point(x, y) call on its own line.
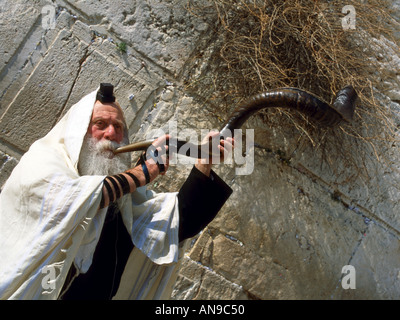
point(100, 65)
point(280, 236)
point(37, 106)
point(17, 19)
point(30, 52)
point(198, 282)
point(163, 31)
point(377, 267)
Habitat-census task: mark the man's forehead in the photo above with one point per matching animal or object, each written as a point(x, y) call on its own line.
point(100, 108)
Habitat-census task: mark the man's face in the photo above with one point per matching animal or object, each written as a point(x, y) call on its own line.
point(105, 133)
point(106, 123)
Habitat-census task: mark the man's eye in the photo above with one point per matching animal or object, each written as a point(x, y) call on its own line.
point(99, 124)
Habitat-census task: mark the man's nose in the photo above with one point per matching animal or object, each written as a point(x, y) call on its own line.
point(110, 133)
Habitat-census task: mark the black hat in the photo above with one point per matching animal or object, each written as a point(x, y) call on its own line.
point(105, 93)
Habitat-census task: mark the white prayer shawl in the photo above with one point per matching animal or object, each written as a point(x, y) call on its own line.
point(49, 219)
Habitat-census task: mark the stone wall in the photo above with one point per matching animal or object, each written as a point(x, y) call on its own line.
point(289, 227)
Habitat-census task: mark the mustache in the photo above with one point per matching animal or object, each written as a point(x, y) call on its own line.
point(97, 157)
point(107, 145)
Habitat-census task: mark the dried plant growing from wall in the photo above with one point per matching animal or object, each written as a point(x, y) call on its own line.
point(307, 44)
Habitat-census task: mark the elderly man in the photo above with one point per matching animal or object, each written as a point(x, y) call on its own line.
point(77, 222)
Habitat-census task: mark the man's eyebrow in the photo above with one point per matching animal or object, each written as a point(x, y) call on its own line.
point(120, 122)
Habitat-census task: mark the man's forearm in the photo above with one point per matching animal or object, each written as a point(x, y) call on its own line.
point(116, 186)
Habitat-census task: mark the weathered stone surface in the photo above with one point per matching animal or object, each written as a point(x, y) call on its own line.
point(163, 31)
point(307, 209)
point(198, 282)
point(29, 54)
point(377, 265)
point(41, 101)
point(289, 230)
point(7, 164)
point(16, 21)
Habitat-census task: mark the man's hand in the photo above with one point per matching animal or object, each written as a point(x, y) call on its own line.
point(157, 161)
point(158, 153)
point(225, 148)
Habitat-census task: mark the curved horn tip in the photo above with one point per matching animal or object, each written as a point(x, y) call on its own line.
point(345, 102)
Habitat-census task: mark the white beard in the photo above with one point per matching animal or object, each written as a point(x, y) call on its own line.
point(97, 158)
